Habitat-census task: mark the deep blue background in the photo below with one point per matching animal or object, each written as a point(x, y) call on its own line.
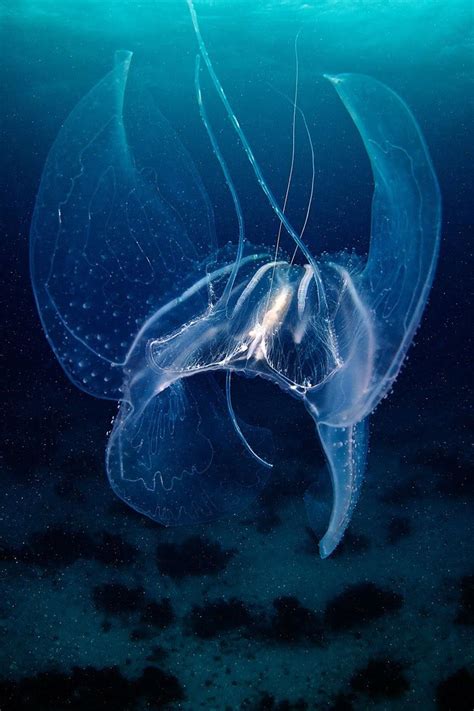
point(52, 53)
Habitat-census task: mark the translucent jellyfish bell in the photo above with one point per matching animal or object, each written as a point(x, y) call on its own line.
point(142, 306)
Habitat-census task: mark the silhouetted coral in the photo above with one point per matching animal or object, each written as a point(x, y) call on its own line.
point(92, 689)
point(465, 614)
point(158, 614)
point(359, 604)
point(195, 556)
point(57, 547)
point(342, 702)
point(157, 655)
point(267, 702)
point(219, 616)
point(456, 693)
point(293, 623)
point(134, 605)
point(381, 678)
point(113, 550)
point(61, 546)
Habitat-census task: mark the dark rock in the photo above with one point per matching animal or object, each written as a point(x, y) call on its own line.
point(158, 614)
point(267, 702)
point(381, 679)
point(342, 702)
point(139, 635)
point(195, 556)
point(158, 687)
point(220, 616)
point(115, 551)
point(456, 693)
point(92, 689)
point(57, 547)
point(292, 623)
point(465, 614)
point(61, 546)
point(157, 655)
point(133, 605)
point(360, 604)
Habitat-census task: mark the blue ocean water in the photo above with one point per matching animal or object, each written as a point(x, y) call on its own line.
point(101, 608)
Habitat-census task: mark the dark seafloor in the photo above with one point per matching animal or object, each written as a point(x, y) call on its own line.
point(101, 608)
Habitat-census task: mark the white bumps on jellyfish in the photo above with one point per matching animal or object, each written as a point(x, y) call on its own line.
point(121, 222)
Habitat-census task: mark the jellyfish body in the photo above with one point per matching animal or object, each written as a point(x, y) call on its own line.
point(141, 306)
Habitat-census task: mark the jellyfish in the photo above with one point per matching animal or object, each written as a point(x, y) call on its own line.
point(143, 305)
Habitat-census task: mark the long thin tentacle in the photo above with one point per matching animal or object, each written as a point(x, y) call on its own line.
point(292, 163)
point(228, 179)
point(256, 168)
point(313, 165)
point(237, 426)
point(311, 192)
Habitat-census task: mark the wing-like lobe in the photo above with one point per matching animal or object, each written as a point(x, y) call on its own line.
point(379, 308)
point(178, 459)
point(120, 218)
point(389, 296)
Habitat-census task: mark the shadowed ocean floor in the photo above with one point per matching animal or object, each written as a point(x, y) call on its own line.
point(102, 609)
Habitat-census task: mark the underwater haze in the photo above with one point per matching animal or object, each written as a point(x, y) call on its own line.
point(102, 607)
